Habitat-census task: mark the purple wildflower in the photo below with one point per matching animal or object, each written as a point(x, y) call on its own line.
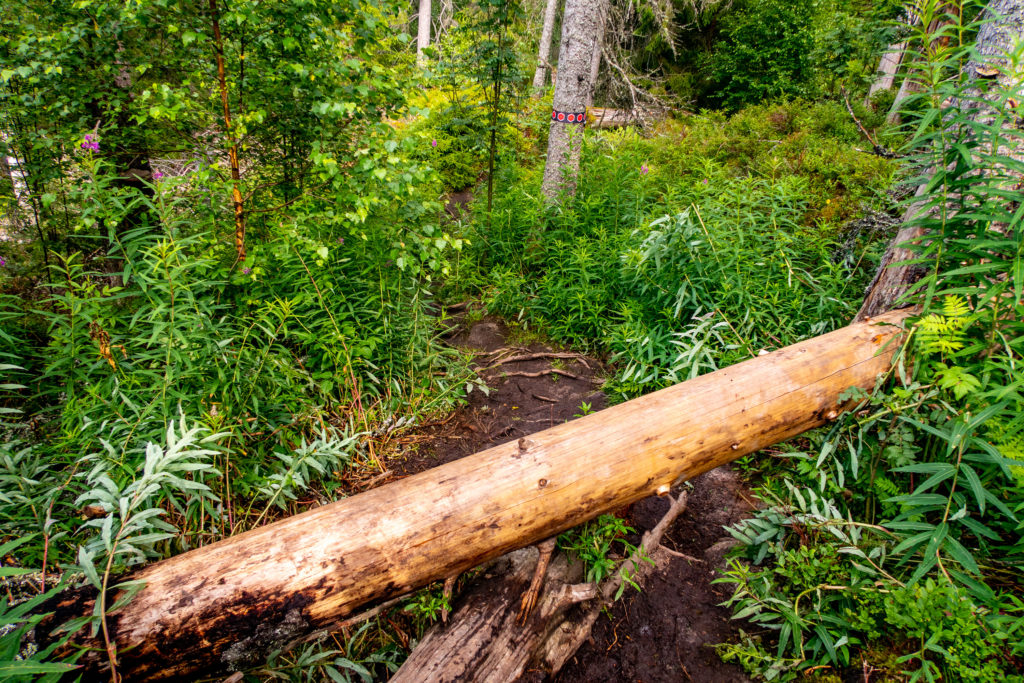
point(433, 143)
point(3, 262)
point(341, 240)
point(644, 169)
point(91, 143)
point(705, 182)
point(246, 270)
point(157, 175)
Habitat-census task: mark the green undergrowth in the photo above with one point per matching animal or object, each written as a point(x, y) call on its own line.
point(689, 249)
point(891, 543)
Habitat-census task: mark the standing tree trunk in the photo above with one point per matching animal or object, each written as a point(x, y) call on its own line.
point(236, 176)
point(595, 61)
point(894, 277)
point(565, 139)
point(445, 16)
point(910, 84)
point(544, 51)
point(423, 34)
point(889, 64)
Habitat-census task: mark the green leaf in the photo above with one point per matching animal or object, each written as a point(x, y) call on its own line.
point(974, 482)
point(18, 667)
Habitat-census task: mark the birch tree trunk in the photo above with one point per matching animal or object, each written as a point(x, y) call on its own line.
point(565, 140)
point(895, 276)
point(544, 51)
point(423, 33)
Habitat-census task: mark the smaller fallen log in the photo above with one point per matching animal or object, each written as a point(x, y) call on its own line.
point(600, 117)
point(485, 642)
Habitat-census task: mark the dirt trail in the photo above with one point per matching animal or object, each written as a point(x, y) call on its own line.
point(663, 634)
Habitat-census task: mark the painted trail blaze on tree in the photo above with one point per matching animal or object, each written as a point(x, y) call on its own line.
point(580, 23)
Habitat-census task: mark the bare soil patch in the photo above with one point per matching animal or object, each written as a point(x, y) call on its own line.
point(664, 633)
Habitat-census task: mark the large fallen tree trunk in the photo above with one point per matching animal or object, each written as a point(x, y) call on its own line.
point(227, 605)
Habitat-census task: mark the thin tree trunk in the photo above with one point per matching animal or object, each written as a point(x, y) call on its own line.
point(910, 84)
point(889, 64)
point(495, 109)
point(565, 139)
point(544, 51)
point(595, 61)
point(236, 176)
point(423, 32)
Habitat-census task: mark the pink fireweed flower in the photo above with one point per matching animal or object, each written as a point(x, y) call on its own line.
point(433, 143)
point(157, 175)
point(643, 169)
point(91, 143)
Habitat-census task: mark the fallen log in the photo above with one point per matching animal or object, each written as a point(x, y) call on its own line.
point(227, 605)
point(600, 117)
point(486, 643)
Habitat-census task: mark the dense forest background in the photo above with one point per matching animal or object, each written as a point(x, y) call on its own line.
point(227, 259)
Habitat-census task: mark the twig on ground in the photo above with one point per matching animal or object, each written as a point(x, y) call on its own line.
point(535, 356)
point(875, 147)
point(504, 349)
point(676, 553)
point(372, 482)
point(549, 371)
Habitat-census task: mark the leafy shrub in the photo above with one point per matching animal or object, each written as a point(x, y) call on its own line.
point(679, 258)
point(921, 473)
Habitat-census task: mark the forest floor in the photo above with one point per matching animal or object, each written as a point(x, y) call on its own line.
point(668, 631)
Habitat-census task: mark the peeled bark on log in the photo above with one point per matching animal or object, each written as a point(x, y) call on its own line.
point(225, 606)
point(565, 138)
